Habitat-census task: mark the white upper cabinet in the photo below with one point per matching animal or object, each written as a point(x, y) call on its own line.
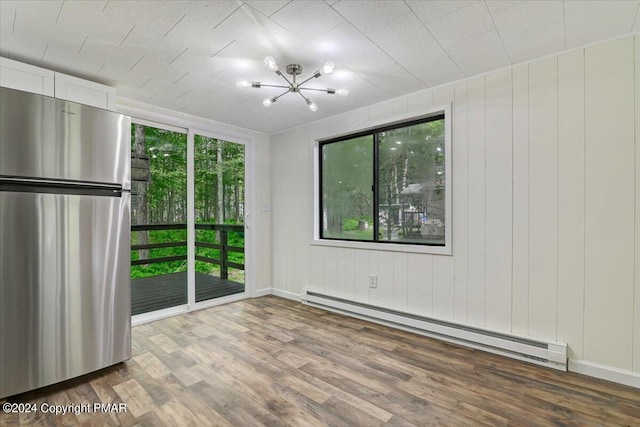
point(84, 92)
point(25, 77)
point(29, 78)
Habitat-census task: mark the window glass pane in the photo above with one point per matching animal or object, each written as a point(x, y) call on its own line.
point(411, 184)
point(219, 183)
point(347, 196)
point(158, 219)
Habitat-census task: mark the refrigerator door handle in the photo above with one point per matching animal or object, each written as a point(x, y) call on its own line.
point(37, 185)
point(55, 182)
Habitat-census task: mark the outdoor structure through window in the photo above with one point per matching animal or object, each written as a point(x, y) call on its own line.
point(387, 185)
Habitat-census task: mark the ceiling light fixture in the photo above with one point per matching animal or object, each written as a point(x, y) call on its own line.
point(292, 86)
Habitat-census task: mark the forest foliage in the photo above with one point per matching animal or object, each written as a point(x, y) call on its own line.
point(219, 197)
point(409, 160)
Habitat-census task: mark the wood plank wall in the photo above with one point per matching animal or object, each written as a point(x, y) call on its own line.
point(546, 184)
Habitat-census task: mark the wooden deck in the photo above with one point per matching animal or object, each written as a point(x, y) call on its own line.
point(274, 362)
point(168, 290)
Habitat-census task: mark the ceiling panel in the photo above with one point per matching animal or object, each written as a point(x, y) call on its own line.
point(187, 55)
point(481, 45)
point(97, 50)
point(22, 49)
point(434, 73)
point(155, 18)
point(404, 36)
point(45, 11)
point(590, 21)
point(526, 16)
point(166, 100)
point(496, 6)
point(535, 43)
point(267, 7)
point(196, 83)
point(492, 61)
point(429, 11)
point(198, 36)
point(202, 65)
point(68, 61)
point(393, 79)
point(134, 92)
point(147, 44)
point(462, 24)
point(339, 43)
point(367, 16)
point(307, 20)
point(210, 12)
point(163, 89)
point(158, 70)
point(115, 74)
point(42, 30)
point(87, 17)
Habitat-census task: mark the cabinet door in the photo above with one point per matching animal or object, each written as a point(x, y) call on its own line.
point(84, 92)
point(25, 77)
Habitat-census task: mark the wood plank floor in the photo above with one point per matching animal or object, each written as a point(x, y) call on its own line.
point(169, 290)
point(270, 361)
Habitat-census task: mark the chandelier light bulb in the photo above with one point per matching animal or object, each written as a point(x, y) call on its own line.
point(328, 68)
point(270, 63)
point(312, 106)
point(243, 83)
point(267, 102)
point(343, 91)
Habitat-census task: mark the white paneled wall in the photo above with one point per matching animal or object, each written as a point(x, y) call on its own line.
point(520, 209)
point(543, 197)
point(571, 190)
point(636, 323)
point(476, 232)
point(609, 203)
point(498, 199)
point(546, 227)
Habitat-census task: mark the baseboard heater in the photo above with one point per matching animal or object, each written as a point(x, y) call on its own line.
point(549, 354)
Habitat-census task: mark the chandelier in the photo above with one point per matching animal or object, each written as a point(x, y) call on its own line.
point(293, 86)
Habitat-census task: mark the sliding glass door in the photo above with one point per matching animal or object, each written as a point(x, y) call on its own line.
point(188, 214)
point(219, 193)
point(158, 218)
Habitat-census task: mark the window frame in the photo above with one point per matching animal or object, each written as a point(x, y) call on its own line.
point(375, 128)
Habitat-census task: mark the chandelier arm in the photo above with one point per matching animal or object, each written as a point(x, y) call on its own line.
point(282, 94)
point(307, 100)
point(313, 76)
point(314, 89)
point(280, 86)
point(284, 77)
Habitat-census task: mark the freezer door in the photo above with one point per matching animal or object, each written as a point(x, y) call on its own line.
point(43, 137)
point(64, 287)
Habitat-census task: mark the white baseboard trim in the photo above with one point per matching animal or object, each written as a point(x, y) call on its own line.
point(285, 294)
point(605, 372)
point(262, 292)
point(141, 319)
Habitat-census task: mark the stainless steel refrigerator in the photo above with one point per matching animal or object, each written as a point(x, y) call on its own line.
point(64, 240)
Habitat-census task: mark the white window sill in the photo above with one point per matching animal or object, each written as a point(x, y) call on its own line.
point(388, 247)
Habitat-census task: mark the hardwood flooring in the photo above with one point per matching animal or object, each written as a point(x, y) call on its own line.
point(271, 361)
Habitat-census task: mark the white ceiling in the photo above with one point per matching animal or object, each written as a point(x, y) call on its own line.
point(187, 55)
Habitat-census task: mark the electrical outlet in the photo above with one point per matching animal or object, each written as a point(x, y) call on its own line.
point(373, 281)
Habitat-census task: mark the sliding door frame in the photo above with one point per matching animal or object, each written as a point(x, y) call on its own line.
point(249, 275)
point(191, 128)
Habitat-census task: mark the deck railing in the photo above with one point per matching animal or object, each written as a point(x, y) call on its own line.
point(223, 246)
